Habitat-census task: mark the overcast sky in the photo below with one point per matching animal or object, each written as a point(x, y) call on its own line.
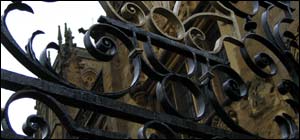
point(46, 17)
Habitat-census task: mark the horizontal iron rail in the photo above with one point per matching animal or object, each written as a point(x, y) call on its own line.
point(90, 101)
point(162, 42)
point(10, 135)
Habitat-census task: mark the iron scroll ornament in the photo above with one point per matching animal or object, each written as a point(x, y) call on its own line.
point(235, 88)
point(28, 94)
point(105, 50)
point(27, 59)
point(28, 47)
point(288, 86)
point(240, 12)
point(88, 100)
point(162, 97)
point(288, 127)
point(61, 113)
point(282, 41)
point(105, 44)
point(32, 124)
point(291, 67)
point(285, 86)
point(44, 60)
point(275, 42)
point(163, 70)
point(165, 129)
point(44, 70)
point(173, 21)
point(262, 59)
point(40, 70)
point(131, 12)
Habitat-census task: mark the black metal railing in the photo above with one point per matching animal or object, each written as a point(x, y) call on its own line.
point(53, 90)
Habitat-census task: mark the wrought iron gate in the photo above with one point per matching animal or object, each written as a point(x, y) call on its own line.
point(53, 90)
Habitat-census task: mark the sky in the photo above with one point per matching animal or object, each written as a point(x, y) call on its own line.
point(46, 17)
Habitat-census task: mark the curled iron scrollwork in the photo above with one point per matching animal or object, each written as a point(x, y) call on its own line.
point(189, 21)
point(240, 12)
point(195, 37)
point(161, 93)
point(279, 37)
point(159, 67)
point(275, 36)
point(129, 12)
point(171, 22)
point(287, 125)
point(233, 87)
point(288, 86)
point(262, 59)
point(28, 47)
point(102, 41)
point(256, 68)
point(29, 61)
point(33, 121)
point(44, 60)
point(161, 127)
point(106, 49)
point(32, 124)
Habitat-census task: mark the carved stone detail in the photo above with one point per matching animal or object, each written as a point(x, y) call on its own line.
point(259, 99)
point(88, 72)
point(217, 122)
